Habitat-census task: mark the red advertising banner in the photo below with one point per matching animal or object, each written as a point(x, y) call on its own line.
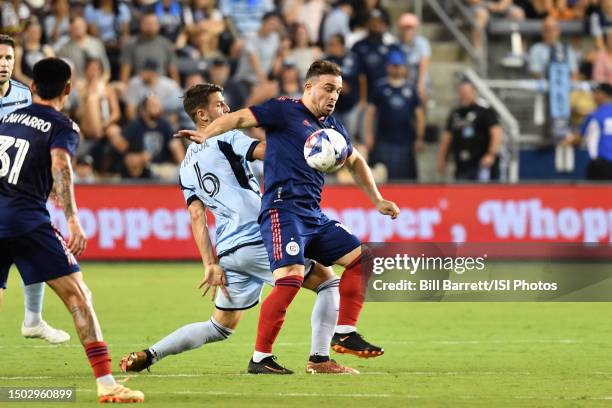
point(151, 222)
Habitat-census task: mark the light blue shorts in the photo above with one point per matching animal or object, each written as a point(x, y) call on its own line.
point(246, 271)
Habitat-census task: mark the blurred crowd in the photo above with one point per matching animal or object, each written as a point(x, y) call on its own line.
point(132, 60)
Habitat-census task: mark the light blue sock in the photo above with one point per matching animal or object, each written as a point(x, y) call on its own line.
point(189, 337)
point(33, 301)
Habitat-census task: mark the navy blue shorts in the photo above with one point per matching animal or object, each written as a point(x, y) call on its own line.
point(289, 239)
point(40, 255)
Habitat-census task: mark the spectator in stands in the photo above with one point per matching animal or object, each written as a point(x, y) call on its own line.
point(246, 15)
point(597, 131)
point(302, 52)
point(150, 82)
point(98, 105)
point(602, 66)
point(149, 45)
point(600, 22)
point(347, 108)
point(14, 14)
point(260, 52)
point(396, 109)
point(308, 13)
point(202, 44)
point(170, 16)
point(370, 54)
point(147, 144)
point(534, 9)
point(219, 74)
point(80, 46)
point(539, 53)
point(417, 50)
point(289, 81)
point(30, 51)
point(338, 20)
point(362, 10)
point(204, 24)
point(57, 24)
point(566, 9)
point(83, 170)
point(482, 11)
point(474, 135)
point(108, 20)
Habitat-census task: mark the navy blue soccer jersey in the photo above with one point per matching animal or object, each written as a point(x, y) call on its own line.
point(289, 183)
point(396, 108)
point(26, 139)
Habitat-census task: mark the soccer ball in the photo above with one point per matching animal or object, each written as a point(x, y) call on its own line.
point(325, 150)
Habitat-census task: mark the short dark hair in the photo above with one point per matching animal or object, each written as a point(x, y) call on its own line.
point(338, 37)
point(6, 40)
point(198, 97)
point(268, 15)
point(50, 76)
point(323, 67)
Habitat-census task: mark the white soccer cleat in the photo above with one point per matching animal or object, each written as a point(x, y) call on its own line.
point(45, 332)
point(118, 393)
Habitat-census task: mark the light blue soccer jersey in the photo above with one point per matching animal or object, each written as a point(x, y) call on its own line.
point(218, 174)
point(17, 97)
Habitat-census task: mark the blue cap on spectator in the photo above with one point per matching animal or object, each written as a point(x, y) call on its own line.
point(396, 57)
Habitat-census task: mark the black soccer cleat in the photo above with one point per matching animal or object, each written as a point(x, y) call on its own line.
point(267, 366)
point(136, 361)
point(354, 343)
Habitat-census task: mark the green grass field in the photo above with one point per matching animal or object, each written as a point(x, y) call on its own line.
point(437, 354)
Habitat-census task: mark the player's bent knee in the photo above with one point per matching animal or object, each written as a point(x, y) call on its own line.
point(227, 318)
point(318, 275)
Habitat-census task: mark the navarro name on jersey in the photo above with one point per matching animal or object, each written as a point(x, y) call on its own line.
point(28, 120)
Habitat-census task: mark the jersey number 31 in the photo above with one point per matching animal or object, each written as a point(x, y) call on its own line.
point(22, 147)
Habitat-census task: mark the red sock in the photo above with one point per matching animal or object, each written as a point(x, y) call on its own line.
point(273, 309)
point(352, 291)
point(99, 359)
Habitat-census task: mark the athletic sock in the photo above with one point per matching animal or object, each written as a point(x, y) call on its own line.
point(257, 356)
point(352, 292)
point(33, 296)
point(189, 337)
point(345, 329)
point(107, 380)
point(99, 359)
point(324, 316)
point(273, 310)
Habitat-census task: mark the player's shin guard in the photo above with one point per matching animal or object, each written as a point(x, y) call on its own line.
point(99, 359)
point(273, 310)
point(352, 289)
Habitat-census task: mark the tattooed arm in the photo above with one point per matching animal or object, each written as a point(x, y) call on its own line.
point(63, 190)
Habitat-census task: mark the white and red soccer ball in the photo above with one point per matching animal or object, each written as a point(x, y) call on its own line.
point(325, 150)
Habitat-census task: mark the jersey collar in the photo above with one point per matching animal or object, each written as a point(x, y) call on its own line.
point(319, 121)
point(8, 91)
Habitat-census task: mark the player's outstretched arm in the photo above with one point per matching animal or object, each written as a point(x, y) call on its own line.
point(214, 276)
point(63, 190)
point(241, 119)
point(362, 175)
